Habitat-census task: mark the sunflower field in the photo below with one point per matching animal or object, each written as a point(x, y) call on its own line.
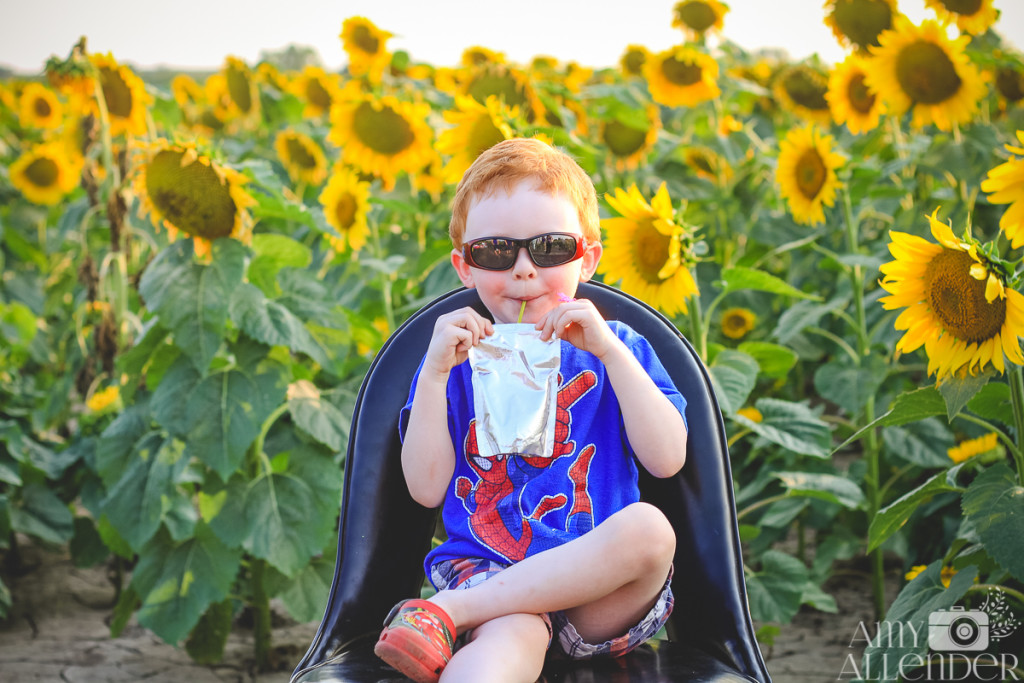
point(197, 273)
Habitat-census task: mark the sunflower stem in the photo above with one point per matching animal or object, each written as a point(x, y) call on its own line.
point(1016, 380)
point(872, 479)
point(697, 331)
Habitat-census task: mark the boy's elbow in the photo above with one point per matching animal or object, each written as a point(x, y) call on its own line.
point(671, 465)
point(425, 497)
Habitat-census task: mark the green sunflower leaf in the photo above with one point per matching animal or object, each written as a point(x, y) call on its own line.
point(958, 391)
point(178, 581)
point(774, 360)
point(740, 277)
point(909, 407)
point(285, 517)
point(993, 402)
point(733, 374)
point(320, 419)
point(40, 513)
point(270, 322)
point(994, 504)
point(192, 298)
point(849, 385)
point(791, 425)
point(828, 487)
point(893, 516)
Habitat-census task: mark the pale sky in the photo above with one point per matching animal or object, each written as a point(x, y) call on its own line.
point(201, 33)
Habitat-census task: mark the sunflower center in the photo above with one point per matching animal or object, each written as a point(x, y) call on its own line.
point(42, 107)
point(345, 210)
point(681, 72)
point(860, 97)
point(42, 172)
point(483, 135)
point(958, 300)
point(926, 73)
point(385, 131)
point(192, 198)
point(116, 93)
point(298, 154)
point(651, 251)
point(963, 7)
point(806, 88)
point(811, 173)
point(697, 15)
point(633, 62)
point(238, 88)
point(736, 324)
point(623, 140)
point(1010, 83)
point(861, 21)
point(503, 85)
point(317, 94)
point(364, 38)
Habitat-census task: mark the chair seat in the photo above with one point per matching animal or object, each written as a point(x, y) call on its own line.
point(660, 662)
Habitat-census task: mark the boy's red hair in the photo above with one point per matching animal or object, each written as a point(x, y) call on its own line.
point(510, 162)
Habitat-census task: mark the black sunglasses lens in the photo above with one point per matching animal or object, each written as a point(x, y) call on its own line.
point(552, 250)
point(493, 254)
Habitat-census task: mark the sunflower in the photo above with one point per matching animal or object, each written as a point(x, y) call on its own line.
point(920, 68)
point(317, 89)
point(971, 16)
point(751, 413)
point(478, 56)
point(946, 575)
point(697, 17)
point(430, 178)
point(477, 127)
point(382, 136)
point(39, 107)
point(509, 84)
point(956, 302)
point(124, 94)
point(301, 156)
point(858, 23)
point(850, 100)
point(708, 164)
point(186, 91)
point(806, 173)
point(346, 202)
point(736, 322)
point(1005, 185)
point(682, 77)
point(972, 447)
point(1009, 84)
point(801, 89)
point(647, 250)
point(630, 139)
point(46, 173)
point(632, 60)
point(243, 97)
point(365, 45)
point(189, 192)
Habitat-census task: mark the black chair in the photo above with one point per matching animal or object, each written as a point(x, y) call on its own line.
point(384, 534)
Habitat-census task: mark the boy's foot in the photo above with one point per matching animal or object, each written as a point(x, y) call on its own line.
point(417, 640)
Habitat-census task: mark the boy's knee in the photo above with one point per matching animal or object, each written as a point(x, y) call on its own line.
point(527, 633)
point(648, 534)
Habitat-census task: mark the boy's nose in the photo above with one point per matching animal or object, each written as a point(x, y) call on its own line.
point(523, 268)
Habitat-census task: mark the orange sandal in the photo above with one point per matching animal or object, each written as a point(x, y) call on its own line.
point(417, 640)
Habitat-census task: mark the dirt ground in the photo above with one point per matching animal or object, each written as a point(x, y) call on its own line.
point(58, 631)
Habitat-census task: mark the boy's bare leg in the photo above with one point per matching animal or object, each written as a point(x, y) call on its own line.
point(508, 649)
point(606, 580)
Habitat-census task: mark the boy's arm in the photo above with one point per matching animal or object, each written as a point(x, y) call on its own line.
point(654, 426)
point(428, 456)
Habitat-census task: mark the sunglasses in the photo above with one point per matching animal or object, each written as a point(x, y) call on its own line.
point(547, 250)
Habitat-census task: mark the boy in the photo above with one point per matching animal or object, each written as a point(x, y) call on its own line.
point(543, 551)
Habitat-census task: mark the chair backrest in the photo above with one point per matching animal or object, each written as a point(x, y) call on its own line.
point(384, 534)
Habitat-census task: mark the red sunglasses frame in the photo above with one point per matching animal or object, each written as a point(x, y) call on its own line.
point(524, 243)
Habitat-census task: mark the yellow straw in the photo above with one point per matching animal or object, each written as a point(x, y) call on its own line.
point(521, 309)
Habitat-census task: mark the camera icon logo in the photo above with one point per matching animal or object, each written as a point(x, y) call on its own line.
point(958, 629)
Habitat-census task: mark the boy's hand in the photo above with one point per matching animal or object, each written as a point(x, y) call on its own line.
point(578, 323)
point(454, 334)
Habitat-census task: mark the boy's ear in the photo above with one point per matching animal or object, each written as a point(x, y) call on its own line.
point(463, 269)
point(590, 260)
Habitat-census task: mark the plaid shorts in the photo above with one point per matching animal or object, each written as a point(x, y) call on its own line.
point(469, 572)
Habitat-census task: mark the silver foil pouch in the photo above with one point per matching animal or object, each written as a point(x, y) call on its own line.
point(515, 391)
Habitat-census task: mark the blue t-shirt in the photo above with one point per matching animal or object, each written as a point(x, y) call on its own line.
point(509, 507)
